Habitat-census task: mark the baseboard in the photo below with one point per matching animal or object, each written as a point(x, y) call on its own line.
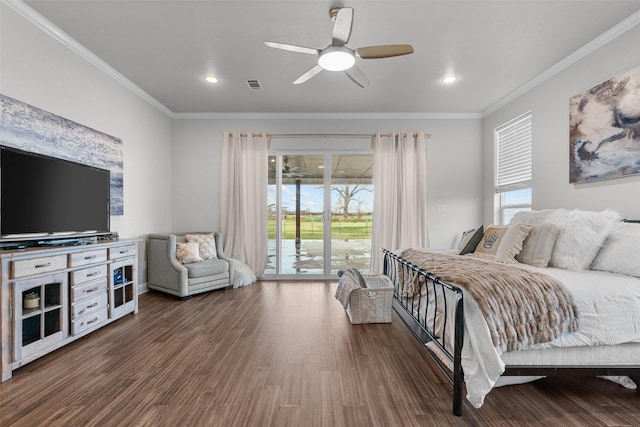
point(143, 288)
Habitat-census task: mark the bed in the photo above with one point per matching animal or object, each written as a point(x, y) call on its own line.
point(588, 325)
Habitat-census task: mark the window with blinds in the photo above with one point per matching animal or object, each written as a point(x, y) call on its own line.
point(513, 172)
point(514, 154)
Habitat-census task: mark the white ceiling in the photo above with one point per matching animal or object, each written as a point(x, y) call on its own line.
point(495, 47)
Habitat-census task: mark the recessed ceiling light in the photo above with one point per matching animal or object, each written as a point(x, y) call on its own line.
point(449, 79)
point(210, 78)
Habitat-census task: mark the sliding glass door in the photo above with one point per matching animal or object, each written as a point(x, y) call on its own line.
point(351, 207)
point(296, 215)
point(319, 213)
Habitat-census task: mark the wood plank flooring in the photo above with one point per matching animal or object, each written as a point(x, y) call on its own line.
point(275, 354)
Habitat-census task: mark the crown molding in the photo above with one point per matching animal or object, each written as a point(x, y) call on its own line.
point(56, 33)
point(604, 38)
point(327, 116)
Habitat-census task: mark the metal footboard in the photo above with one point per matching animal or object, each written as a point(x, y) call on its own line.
point(429, 309)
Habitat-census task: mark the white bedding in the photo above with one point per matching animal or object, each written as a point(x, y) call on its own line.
point(609, 315)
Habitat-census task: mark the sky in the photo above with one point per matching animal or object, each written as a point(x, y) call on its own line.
point(311, 198)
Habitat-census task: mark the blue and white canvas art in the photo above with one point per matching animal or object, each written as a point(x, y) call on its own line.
point(604, 129)
point(29, 128)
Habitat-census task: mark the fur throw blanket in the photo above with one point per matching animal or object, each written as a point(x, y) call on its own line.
point(521, 307)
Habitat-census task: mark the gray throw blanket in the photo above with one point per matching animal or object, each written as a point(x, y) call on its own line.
point(521, 307)
point(350, 280)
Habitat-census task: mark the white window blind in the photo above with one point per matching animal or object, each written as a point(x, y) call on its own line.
point(514, 154)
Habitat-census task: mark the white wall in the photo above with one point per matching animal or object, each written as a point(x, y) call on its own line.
point(38, 70)
point(549, 103)
point(453, 150)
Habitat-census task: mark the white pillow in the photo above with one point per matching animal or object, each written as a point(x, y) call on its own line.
point(502, 242)
point(187, 252)
point(581, 236)
point(535, 217)
point(206, 244)
point(620, 253)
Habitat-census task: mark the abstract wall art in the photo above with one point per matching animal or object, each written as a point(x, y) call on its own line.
point(604, 129)
point(28, 128)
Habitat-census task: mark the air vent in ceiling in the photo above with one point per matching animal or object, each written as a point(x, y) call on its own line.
point(254, 84)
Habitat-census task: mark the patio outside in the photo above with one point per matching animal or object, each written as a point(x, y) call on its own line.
point(350, 244)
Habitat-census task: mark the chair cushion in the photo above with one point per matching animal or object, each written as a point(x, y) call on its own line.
point(208, 267)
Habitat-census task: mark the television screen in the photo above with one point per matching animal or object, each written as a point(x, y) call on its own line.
point(44, 195)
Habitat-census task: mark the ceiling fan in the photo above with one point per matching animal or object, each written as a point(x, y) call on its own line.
point(291, 172)
point(337, 56)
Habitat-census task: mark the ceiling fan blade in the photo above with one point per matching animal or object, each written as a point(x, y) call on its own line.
point(306, 76)
point(357, 76)
point(292, 48)
point(342, 26)
point(384, 51)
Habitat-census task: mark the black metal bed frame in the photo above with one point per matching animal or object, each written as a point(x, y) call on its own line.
point(400, 271)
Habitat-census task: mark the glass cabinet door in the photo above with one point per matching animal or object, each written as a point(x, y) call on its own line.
point(40, 314)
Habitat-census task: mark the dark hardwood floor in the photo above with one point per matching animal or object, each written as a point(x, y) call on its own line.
point(275, 354)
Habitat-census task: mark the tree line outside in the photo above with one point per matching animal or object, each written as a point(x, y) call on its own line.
point(347, 222)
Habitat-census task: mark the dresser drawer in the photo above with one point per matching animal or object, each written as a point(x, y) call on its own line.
point(78, 259)
point(87, 274)
point(88, 305)
point(89, 321)
point(29, 267)
point(123, 251)
point(86, 290)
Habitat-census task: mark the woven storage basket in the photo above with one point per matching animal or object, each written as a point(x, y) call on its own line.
point(373, 303)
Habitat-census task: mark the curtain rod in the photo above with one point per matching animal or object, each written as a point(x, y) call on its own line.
point(326, 135)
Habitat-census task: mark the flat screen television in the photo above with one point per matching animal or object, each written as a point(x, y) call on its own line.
point(43, 197)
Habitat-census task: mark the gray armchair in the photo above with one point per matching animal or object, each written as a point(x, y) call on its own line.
point(166, 274)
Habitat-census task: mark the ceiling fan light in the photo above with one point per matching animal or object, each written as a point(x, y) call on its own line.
point(336, 58)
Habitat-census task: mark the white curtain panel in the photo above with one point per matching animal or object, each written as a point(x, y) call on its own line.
point(244, 198)
point(400, 201)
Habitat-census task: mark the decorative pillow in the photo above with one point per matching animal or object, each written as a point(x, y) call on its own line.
point(538, 246)
point(187, 252)
point(470, 240)
point(535, 217)
point(581, 236)
point(502, 242)
point(206, 244)
point(620, 253)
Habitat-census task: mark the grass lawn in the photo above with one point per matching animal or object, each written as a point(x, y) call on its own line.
point(312, 227)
